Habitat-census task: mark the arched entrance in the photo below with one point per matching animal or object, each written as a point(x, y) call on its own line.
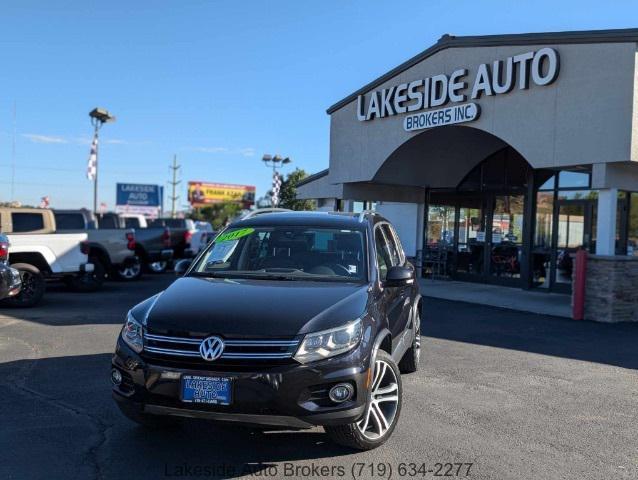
point(489, 216)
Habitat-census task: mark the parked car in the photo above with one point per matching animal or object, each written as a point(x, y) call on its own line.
point(181, 236)
point(45, 255)
point(154, 242)
point(286, 319)
point(203, 234)
point(10, 282)
point(111, 250)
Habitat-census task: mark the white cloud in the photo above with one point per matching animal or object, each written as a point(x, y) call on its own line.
point(37, 138)
point(244, 152)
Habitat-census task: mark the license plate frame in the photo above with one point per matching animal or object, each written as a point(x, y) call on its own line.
point(206, 389)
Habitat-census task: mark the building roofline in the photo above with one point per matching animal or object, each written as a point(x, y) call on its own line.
point(313, 177)
point(625, 35)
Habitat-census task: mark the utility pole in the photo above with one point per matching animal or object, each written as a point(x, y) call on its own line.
point(174, 197)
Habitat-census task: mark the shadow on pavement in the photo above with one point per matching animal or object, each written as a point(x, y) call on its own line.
point(108, 305)
point(612, 344)
point(59, 421)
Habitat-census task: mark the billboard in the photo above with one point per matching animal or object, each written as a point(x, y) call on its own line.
point(201, 194)
point(139, 199)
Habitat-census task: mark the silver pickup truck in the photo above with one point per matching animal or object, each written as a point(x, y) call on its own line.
point(143, 246)
point(111, 250)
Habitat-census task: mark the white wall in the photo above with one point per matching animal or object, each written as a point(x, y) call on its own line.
point(405, 218)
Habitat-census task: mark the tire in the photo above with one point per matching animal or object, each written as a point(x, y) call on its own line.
point(410, 361)
point(158, 267)
point(89, 281)
point(33, 287)
point(131, 272)
point(371, 431)
point(150, 421)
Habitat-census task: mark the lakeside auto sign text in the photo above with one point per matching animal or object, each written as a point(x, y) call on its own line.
point(500, 77)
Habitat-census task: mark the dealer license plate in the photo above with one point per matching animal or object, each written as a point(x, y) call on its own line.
point(202, 389)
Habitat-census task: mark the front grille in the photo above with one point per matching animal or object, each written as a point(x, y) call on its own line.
point(234, 349)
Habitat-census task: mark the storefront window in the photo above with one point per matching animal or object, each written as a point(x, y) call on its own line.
point(507, 236)
point(567, 179)
point(632, 226)
point(544, 219)
point(440, 225)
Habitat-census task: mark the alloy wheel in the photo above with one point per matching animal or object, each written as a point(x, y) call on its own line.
point(383, 405)
point(28, 283)
point(131, 271)
point(417, 339)
point(158, 267)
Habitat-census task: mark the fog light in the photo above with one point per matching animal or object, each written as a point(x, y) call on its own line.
point(341, 392)
point(116, 377)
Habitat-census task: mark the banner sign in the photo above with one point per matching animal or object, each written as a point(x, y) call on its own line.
point(201, 194)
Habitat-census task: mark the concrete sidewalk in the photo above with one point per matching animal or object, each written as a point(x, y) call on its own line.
point(555, 304)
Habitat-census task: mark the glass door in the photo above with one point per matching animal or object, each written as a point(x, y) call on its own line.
point(573, 230)
point(470, 249)
point(506, 239)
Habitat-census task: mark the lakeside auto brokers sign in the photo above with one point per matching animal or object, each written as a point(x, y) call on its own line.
point(500, 77)
point(138, 198)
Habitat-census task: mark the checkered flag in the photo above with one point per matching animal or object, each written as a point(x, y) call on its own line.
point(276, 185)
point(91, 168)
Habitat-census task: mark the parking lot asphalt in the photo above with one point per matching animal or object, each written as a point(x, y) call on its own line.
point(516, 395)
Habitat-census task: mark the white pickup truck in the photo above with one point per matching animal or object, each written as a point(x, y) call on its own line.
point(39, 256)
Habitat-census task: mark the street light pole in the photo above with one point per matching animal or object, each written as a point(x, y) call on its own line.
point(99, 117)
point(275, 162)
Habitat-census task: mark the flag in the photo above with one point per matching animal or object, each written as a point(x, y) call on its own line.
point(44, 202)
point(91, 169)
point(276, 185)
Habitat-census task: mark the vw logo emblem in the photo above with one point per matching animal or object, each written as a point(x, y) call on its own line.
point(211, 348)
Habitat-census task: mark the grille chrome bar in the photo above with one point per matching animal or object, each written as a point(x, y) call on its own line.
point(158, 346)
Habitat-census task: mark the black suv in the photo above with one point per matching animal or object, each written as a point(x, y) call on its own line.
point(287, 320)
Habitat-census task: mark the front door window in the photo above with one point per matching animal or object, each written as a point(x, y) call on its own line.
point(507, 236)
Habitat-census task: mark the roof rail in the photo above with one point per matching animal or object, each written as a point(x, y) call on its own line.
point(363, 213)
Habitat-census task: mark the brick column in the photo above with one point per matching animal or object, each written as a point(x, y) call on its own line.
point(611, 289)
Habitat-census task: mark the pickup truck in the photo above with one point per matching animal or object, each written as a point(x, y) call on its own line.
point(10, 282)
point(42, 255)
point(111, 250)
point(182, 230)
point(148, 245)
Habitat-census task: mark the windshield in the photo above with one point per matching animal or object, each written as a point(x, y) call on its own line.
point(286, 253)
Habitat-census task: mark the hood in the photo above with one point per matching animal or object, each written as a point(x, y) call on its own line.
point(251, 308)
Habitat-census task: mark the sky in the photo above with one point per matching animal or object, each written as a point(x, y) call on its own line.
point(216, 83)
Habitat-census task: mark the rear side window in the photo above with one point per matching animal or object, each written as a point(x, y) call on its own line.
point(69, 221)
point(394, 249)
point(383, 258)
point(108, 222)
point(27, 222)
point(132, 222)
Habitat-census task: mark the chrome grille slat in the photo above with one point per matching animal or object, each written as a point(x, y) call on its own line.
point(158, 346)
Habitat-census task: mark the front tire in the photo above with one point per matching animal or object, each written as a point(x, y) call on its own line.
point(382, 413)
point(410, 361)
point(33, 287)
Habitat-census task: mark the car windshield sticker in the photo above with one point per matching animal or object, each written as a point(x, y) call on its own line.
point(234, 235)
point(220, 253)
point(352, 269)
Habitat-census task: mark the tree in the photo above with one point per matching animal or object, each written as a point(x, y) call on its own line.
point(218, 214)
point(288, 192)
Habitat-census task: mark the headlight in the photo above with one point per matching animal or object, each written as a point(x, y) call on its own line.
point(328, 343)
point(132, 333)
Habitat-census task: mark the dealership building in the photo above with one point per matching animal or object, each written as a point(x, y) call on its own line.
point(497, 157)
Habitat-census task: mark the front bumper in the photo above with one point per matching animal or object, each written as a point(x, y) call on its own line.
point(279, 395)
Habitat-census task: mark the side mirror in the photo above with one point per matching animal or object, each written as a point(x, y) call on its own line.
point(182, 266)
point(399, 276)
